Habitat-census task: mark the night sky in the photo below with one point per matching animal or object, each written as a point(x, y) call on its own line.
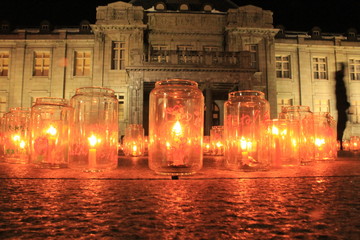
point(295, 15)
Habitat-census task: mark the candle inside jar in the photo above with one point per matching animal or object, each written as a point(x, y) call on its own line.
point(93, 141)
point(175, 145)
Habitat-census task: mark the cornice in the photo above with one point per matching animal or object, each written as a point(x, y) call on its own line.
point(157, 32)
point(185, 69)
point(107, 27)
point(244, 30)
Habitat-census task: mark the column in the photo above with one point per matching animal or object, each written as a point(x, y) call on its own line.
point(208, 112)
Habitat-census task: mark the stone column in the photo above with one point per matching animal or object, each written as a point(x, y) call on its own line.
point(208, 112)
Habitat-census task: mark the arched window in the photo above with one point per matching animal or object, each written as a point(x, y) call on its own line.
point(184, 7)
point(160, 6)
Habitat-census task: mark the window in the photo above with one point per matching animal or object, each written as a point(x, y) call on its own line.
point(3, 104)
point(121, 110)
point(322, 105)
point(4, 63)
point(284, 102)
point(283, 67)
point(354, 69)
point(320, 68)
point(184, 7)
point(355, 110)
point(82, 63)
point(208, 8)
point(253, 49)
point(184, 54)
point(160, 6)
point(118, 56)
point(41, 64)
point(159, 54)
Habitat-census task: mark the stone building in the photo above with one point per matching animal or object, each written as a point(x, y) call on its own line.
point(223, 47)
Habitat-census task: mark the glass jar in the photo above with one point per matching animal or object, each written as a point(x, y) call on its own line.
point(306, 121)
point(133, 144)
point(244, 129)
point(283, 142)
point(16, 134)
point(94, 129)
point(324, 136)
point(176, 129)
point(50, 129)
point(217, 140)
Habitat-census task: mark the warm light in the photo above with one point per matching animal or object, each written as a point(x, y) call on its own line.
point(22, 144)
point(51, 130)
point(134, 148)
point(16, 138)
point(244, 144)
point(219, 144)
point(275, 130)
point(93, 140)
point(177, 129)
point(319, 142)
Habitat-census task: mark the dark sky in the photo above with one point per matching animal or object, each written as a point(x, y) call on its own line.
point(296, 15)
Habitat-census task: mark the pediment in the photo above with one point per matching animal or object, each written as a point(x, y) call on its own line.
point(120, 4)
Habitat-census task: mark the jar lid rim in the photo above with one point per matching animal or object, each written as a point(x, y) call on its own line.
point(176, 81)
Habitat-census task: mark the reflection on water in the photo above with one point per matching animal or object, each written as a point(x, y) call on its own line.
point(280, 208)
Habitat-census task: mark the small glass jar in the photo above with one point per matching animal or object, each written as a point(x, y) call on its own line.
point(94, 130)
point(50, 129)
point(244, 129)
point(176, 129)
point(217, 140)
point(16, 135)
point(133, 144)
point(306, 121)
point(354, 143)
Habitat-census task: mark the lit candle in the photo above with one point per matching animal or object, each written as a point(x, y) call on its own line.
point(244, 151)
point(52, 139)
point(275, 132)
point(176, 144)
point(93, 140)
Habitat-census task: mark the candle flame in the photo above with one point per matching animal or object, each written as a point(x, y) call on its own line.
point(93, 140)
point(51, 130)
point(16, 138)
point(319, 142)
point(275, 130)
point(177, 129)
point(134, 148)
point(22, 144)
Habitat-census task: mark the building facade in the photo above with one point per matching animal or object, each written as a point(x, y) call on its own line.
point(133, 45)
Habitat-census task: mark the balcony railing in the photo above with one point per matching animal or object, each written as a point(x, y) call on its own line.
point(240, 59)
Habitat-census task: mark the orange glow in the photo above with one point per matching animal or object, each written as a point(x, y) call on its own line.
point(177, 129)
point(51, 130)
point(16, 138)
point(22, 144)
point(93, 140)
point(319, 142)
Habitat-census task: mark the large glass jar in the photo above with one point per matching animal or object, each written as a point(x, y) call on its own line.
point(244, 129)
point(94, 130)
point(176, 127)
point(50, 128)
point(306, 126)
point(16, 135)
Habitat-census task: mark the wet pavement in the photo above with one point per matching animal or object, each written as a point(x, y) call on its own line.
point(321, 201)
